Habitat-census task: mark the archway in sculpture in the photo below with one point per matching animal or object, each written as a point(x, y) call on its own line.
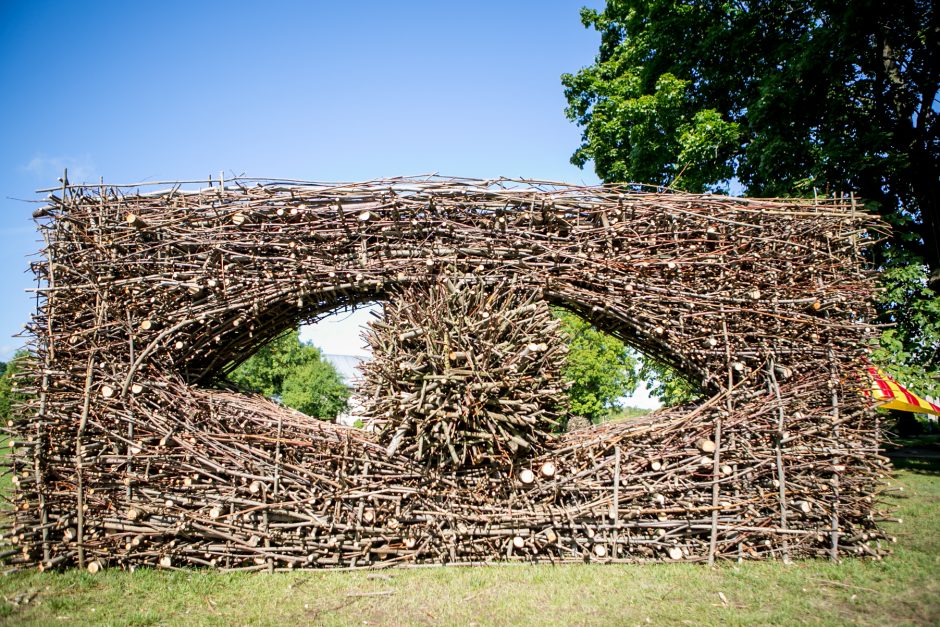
point(234, 347)
point(147, 297)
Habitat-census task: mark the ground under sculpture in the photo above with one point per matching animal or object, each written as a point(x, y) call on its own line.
point(127, 453)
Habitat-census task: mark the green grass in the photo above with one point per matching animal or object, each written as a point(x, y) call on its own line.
point(625, 413)
point(902, 589)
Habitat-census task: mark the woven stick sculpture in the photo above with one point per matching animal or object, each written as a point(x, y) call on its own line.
point(129, 451)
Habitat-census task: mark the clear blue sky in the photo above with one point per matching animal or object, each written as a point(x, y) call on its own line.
point(134, 91)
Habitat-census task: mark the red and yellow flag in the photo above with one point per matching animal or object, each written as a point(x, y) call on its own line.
point(890, 394)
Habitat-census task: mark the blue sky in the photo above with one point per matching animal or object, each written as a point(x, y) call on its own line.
point(136, 91)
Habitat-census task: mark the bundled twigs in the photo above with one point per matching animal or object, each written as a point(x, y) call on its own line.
point(465, 374)
point(123, 454)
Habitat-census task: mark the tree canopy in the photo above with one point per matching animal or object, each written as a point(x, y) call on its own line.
point(295, 374)
point(783, 98)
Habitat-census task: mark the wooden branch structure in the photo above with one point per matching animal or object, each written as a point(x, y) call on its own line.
point(466, 374)
point(127, 451)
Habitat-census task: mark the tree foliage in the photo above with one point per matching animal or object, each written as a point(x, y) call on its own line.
point(666, 384)
point(316, 389)
point(648, 135)
point(8, 393)
point(600, 368)
point(909, 349)
point(295, 374)
point(786, 98)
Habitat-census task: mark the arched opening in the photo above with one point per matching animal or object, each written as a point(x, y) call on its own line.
point(308, 363)
point(605, 373)
point(611, 380)
point(228, 343)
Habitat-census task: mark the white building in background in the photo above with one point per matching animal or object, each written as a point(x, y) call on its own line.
point(348, 368)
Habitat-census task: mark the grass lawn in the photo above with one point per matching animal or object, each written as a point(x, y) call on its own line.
point(902, 589)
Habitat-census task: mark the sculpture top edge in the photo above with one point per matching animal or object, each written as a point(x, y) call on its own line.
point(431, 183)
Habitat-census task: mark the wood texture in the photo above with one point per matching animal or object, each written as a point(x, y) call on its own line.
point(128, 450)
point(466, 374)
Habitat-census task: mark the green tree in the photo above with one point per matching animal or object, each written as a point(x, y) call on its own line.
point(914, 308)
point(295, 374)
point(600, 368)
point(316, 389)
point(787, 98)
point(8, 394)
point(666, 384)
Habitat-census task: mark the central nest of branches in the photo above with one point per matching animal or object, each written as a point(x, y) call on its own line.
point(464, 374)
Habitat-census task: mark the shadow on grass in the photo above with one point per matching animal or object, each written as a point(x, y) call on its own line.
point(919, 465)
point(919, 454)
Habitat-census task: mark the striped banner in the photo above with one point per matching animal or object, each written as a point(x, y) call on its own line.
point(892, 395)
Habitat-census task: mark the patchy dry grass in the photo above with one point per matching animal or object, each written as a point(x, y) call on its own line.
point(903, 589)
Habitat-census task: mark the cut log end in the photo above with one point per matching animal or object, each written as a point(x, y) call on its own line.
point(706, 446)
point(135, 221)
